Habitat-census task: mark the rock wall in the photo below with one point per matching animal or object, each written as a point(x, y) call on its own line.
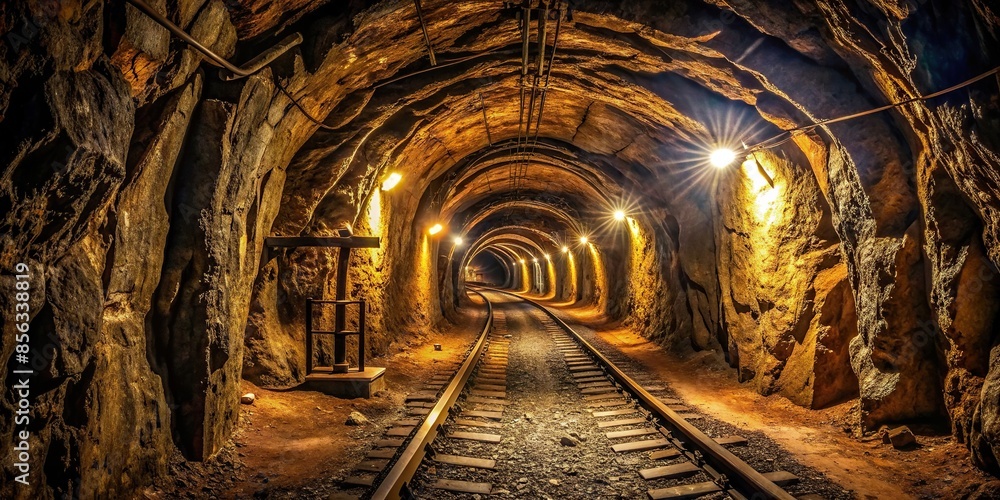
point(857, 259)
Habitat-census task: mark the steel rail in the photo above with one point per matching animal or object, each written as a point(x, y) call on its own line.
point(398, 478)
point(746, 478)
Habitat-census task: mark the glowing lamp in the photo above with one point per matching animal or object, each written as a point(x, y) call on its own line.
point(391, 181)
point(546, 256)
point(619, 215)
point(722, 158)
point(583, 240)
point(522, 261)
point(535, 260)
point(435, 229)
point(565, 249)
point(458, 241)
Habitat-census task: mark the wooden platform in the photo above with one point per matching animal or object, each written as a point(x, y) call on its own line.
point(353, 384)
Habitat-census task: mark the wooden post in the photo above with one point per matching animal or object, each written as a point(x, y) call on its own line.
point(339, 341)
point(309, 339)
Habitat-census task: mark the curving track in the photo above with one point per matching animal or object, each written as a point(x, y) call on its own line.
point(536, 411)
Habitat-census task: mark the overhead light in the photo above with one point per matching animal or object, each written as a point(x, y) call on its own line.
point(565, 249)
point(535, 260)
point(546, 256)
point(435, 229)
point(458, 241)
point(619, 215)
point(583, 240)
point(522, 261)
point(391, 181)
point(722, 157)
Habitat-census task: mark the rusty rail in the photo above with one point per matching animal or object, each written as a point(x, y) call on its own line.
point(746, 479)
point(395, 484)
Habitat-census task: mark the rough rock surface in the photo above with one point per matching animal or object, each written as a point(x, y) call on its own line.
point(139, 187)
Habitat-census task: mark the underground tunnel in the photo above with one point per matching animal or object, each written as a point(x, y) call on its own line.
point(516, 249)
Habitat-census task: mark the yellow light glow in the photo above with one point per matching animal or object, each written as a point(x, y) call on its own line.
point(619, 215)
point(391, 181)
point(722, 158)
point(458, 241)
point(546, 256)
point(584, 240)
point(522, 261)
point(435, 229)
point(535, 260)
point(565, 249)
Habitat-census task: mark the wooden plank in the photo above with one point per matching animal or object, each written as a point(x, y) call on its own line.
point(615, 413)
point(488, 407)
point(588, 380)
point(732, 441)
point(644, 445)
point(322, 241)
point(418, 411)
point(670, 401)
point(400, 431)
point(680, 408)
point(582, 375)
point(478, 463)
point(489, 394)
point(646, 431)
point(462, 486)
point(664, 454)
point(689, 416)
point(375, 465)
point(495, 415)
point(670, 471)
point(607, 404)
point(381, 453)
point(406, 422)
point(476, 436)
point(477, 423)
point(624, 421)
point(491, 401)
point(781, 478)
point(599, 397)
point(492, 381)
point(365, 480)
point(422, 396)
point(684, 491)
point(490, 387)
point(389, 443)
point(603, 384)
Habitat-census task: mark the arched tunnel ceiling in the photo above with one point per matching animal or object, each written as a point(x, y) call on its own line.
point(629, 99)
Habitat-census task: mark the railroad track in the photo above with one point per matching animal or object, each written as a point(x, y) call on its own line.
point(469, 415)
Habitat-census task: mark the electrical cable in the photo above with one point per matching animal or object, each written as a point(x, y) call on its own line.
point(805, 128)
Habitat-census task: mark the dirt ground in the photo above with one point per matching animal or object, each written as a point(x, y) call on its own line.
point(822, 439)
point(295, 444)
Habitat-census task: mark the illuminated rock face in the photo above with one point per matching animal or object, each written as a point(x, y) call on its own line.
point(857, 260)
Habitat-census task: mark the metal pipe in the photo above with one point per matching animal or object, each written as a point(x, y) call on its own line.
point(234, 72)
point(423, 26)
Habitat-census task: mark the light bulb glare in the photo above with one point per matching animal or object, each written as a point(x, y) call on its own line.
point(435, 229)
point(722, 157)
point(619, 215)
point(391, 181)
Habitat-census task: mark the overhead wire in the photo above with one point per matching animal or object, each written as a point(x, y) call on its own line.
point(769, 142)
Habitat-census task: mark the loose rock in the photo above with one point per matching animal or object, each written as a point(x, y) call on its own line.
point(356, 418)
point(248, 398)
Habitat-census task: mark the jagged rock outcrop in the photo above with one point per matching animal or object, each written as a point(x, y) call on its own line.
point(857, 259)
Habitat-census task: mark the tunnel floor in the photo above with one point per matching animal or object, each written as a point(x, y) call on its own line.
point(297, 443)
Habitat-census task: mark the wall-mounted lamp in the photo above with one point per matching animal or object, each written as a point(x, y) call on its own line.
point(722, 157)
point(458, 241)
point(391, 181)
point(435, 229)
